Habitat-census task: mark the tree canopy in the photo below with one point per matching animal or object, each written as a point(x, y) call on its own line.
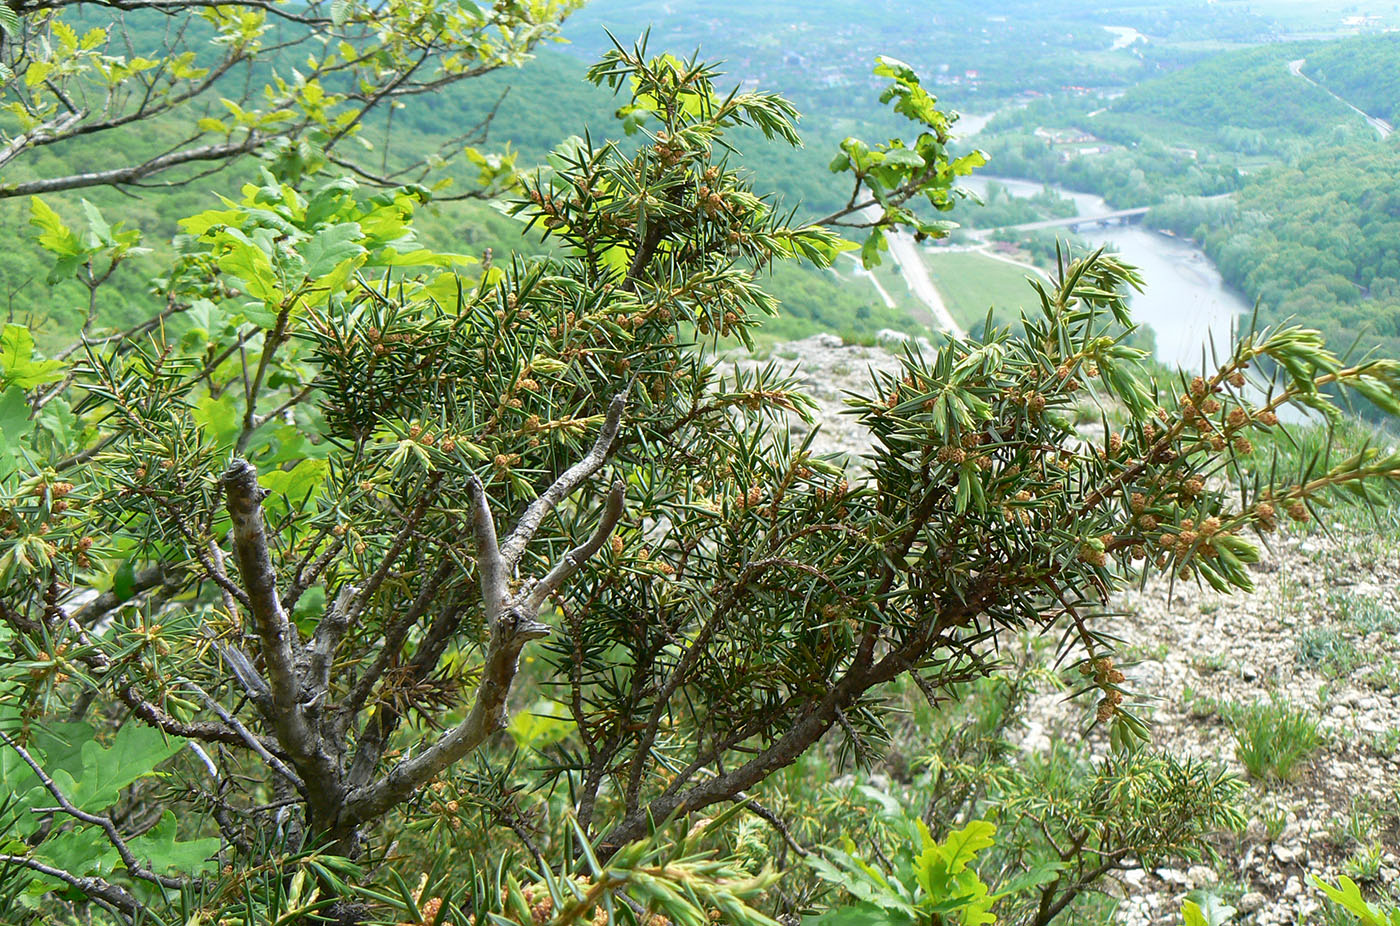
point(172, 90)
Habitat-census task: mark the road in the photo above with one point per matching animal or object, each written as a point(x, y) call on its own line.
point(861, 273)
point(1295, 68)
point(905, 250)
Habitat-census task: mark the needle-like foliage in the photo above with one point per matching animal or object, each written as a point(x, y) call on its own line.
point(347, 505)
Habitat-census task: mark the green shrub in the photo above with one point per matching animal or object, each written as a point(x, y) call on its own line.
point(1272, 739)
point(344, 505)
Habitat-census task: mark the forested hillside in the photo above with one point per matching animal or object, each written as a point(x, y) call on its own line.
point(1249, 91)
point(1178, 133)
point(1318, 239)
point(1292, 195)
point(1364, 71)
point(1317, 236)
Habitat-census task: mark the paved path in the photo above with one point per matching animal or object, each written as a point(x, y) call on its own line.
point(906, 253)
point(1295, 68)
point(985, 250)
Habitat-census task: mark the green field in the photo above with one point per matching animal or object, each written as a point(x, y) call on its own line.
point(970, 283)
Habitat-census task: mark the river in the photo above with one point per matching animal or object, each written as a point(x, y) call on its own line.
point(1185, 301)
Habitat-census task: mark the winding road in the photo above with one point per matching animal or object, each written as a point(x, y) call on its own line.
point(861, 273)
point(1295, 68)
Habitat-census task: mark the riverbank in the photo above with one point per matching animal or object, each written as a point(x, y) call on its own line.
point(1185, 301)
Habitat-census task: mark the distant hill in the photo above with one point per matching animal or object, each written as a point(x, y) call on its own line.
point(1364, 71)
point(1243, 90)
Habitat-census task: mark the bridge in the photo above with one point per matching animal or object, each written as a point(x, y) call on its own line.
point(1074, 222)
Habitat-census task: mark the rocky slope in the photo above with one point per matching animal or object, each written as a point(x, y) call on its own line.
point(1319, 637)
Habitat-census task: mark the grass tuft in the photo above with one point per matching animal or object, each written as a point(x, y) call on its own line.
point(1328, 651)
point(1365, 612)
point(1272, 739)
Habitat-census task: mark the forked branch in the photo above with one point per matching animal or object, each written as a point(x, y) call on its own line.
point(511, 619)
point(572, 478)
point(566, 567)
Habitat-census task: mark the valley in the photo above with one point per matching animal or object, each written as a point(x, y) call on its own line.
point(1186, 158)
